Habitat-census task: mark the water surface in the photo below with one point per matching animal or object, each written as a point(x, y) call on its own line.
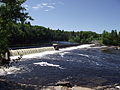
point(83, 65)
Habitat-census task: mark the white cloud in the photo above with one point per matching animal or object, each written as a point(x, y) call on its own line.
point(44, 4)
point(46, 10)
point(52, 7)
point(37, 6)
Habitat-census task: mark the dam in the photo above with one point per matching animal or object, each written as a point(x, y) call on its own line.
point(26, 51)
point(31, 50)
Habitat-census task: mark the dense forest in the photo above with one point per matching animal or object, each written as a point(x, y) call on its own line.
point(15, 30)
point(33, 35)
point(27, 34)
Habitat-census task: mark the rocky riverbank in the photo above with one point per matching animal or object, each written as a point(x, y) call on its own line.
point(10, 85)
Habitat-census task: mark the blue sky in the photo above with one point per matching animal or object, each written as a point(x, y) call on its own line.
point(77, 15)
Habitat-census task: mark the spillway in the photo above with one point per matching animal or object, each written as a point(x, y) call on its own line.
point(27, 51)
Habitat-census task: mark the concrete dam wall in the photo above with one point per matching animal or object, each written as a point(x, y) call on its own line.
point(18, 52)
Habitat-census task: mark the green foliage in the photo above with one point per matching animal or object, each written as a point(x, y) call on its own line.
point(84, 37)
point(26, 34)
point(112, 38)
point(11, 13)
point(105, 38)
point(119, 38)
point(23, 34)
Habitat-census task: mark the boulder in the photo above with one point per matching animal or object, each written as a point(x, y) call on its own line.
point(64, 83)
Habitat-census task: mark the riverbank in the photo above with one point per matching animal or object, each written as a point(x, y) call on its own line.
point(9, 85)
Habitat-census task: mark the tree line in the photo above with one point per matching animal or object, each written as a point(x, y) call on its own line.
point(23, 34)
point(27, 34)
point(111, 38)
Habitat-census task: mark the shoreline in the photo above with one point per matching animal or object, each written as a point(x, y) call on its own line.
point(18, 86)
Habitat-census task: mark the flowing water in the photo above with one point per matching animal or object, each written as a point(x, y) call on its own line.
point(81, 65)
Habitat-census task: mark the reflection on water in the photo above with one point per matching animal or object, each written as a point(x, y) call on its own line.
point(80, 66)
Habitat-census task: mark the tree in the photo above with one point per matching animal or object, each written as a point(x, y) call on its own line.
point(106, 38)
point(119, 38)
point(114, 37)
point(11, 13)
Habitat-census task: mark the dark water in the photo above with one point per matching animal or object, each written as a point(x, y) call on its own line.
point(85, 67)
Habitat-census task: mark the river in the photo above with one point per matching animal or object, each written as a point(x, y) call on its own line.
point(81, 65)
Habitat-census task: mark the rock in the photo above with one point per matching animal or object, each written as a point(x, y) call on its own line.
point(109, 87)
point(56, 47)
point(65, 88)
point(64, 83)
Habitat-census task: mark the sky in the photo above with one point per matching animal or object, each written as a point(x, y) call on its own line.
point(77, 15)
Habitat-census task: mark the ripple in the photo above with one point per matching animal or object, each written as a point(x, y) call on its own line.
point(48, 64)
point(10, 70)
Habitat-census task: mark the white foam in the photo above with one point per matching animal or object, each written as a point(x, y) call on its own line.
point(97, 63)
point(118, 87)
point(10, 70)
point(63, 53)
point(77, 47)
point(84, 55)
point(38, 55)
point(47, 64)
